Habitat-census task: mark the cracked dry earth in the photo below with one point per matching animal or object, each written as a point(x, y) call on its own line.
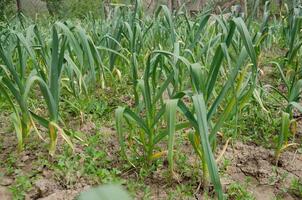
point(266, 180)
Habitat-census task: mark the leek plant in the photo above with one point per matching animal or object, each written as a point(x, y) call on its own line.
point(151, 110)
point(30, 58)
point(64, 47)
point(290, 73)
point(207, 96)
point(135, 39)
point(14, 81)
point(51, 90)
point(283, 139)
point(234, 93)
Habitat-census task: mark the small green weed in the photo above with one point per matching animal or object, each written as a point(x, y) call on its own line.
point(296, 188)
point(20, 187)
point(237, 191)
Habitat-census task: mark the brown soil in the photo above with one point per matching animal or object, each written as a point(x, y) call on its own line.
point(266, 180)
point(258, 163)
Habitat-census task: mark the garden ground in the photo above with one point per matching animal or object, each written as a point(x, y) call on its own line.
point(248, 170)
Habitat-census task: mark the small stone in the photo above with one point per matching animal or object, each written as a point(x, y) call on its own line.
point(6, 181)
point(24, 158)
point(47, 174)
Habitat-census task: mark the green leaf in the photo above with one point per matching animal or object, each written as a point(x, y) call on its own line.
point(247, 40)
point(171, 121)
point(200, 109)
point(119, 114)
point(284, 133)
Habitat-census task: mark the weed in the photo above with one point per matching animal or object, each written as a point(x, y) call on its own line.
point(296, 188)
point(237, 191)
point(21, 185)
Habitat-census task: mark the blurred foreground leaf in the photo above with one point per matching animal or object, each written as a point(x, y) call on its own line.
point(105, 192)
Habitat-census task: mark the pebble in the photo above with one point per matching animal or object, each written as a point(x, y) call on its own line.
point(6, 181)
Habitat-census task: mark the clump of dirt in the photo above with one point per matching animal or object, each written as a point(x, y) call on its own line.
point(46, 189)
